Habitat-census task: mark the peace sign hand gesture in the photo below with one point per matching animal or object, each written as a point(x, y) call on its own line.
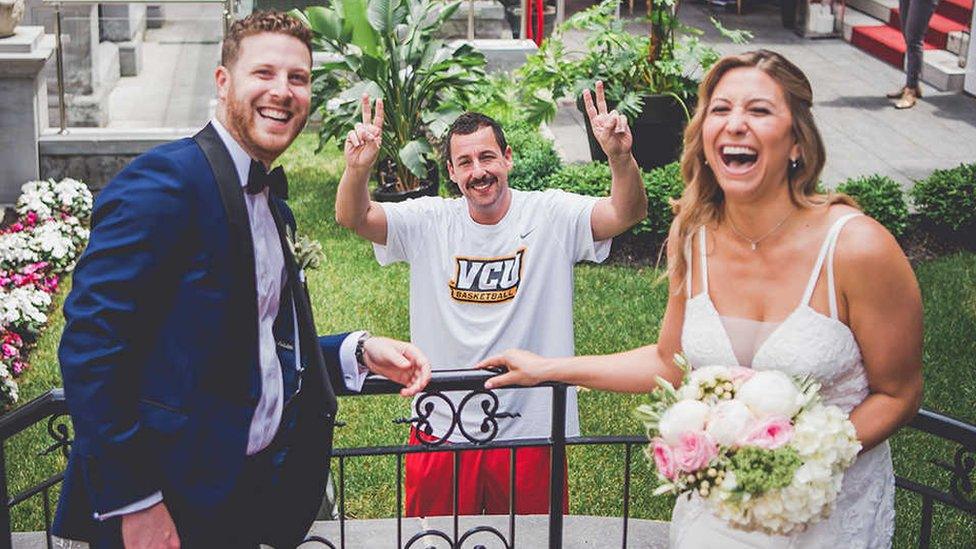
point(363, 142)
point(609, 128)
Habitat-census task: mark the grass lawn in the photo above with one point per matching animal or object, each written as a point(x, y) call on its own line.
point(616, 308)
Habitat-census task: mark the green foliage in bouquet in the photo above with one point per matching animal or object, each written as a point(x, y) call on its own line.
point(669, 59)
point(387, 48)
point(758, 470)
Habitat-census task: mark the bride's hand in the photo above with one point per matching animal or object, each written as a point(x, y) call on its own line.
point(524, 368)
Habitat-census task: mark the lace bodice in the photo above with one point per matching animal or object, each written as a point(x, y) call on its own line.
point(806, 342)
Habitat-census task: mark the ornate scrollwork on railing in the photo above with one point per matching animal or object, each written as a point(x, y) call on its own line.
point(57, 429)
point(461, 540)
point(489, 425)
point(427, 402)
point(962, 469)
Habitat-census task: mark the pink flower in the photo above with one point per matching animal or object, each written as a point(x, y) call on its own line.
point(771, 433)
point(19, 367)
point(663, 459)
point(694, 451)
point(31, 218)
point(741, 375)
point(16, 227)
point(9, 350)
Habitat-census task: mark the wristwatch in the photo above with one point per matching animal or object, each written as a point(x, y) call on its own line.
point(360, 344)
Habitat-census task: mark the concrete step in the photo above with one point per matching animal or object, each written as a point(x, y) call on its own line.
point(879, 9)
point(958, 43)
point(854, 18)
point(941, 70)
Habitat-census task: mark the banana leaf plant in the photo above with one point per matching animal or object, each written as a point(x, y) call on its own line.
point(388, 49)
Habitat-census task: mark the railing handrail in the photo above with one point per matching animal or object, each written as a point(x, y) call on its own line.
point(53, 402)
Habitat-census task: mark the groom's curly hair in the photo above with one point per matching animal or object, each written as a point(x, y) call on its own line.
point(262, 21)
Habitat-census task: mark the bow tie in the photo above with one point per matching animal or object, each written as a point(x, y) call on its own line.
point(258, 179)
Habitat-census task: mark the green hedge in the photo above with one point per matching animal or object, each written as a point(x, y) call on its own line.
point(947, 199)
point(661, 184)
point(881, 198)
point(534, 157)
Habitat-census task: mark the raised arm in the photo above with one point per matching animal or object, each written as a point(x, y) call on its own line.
point(885, 314)
point(627, 204)
point(354, 209)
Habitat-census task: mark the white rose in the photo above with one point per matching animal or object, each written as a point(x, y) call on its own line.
point(729, 422)
point(682, 417)
point(771, 393)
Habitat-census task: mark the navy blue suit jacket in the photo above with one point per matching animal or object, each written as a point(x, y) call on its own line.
point(160, 348)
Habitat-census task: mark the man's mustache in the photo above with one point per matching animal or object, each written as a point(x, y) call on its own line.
point(485, 179)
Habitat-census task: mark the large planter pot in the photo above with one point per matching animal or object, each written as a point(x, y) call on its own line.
point(658, 131)
point(386, 191)
point(11, 12)
point(513, 14)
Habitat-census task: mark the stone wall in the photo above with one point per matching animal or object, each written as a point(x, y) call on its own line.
point(95, 156)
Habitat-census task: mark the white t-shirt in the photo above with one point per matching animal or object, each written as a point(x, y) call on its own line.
point(477, 290)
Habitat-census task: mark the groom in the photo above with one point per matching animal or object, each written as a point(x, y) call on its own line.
point(203, 403)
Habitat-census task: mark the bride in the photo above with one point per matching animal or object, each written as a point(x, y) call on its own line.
point(767, 273)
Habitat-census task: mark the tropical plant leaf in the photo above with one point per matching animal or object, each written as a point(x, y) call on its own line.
point(356, 22)
point(414, 156)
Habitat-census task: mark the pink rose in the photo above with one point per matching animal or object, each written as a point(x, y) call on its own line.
point(694, 451)
point(771, 433)
point(663, 459)
point(741, 375)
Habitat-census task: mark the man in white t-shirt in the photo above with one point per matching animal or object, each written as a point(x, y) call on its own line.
point(488, 272)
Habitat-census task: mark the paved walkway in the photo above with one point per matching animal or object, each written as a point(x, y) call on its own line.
point(864, 134)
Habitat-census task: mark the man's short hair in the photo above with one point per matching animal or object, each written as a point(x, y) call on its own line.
point(262, 21)
point(470, 122)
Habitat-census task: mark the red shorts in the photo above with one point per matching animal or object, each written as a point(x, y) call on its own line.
point(483, 484)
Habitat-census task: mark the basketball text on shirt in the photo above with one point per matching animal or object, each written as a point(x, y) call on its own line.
point(487, 279)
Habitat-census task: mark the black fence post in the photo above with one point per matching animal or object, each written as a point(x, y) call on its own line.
point(557, 468)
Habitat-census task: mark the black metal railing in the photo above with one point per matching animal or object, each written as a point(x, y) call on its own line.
point(50, 407)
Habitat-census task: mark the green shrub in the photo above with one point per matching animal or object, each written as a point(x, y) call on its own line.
point(662, 185)
point(533, 155)
point(881, 198)
point(591, 179)
point(947, 198)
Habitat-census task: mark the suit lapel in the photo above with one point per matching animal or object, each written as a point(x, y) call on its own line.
point(245, 296)
point(312, 358)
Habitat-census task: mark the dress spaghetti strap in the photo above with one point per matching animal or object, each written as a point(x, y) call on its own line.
point(827, 253)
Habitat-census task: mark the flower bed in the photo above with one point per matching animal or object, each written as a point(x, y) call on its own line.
point(35, 252)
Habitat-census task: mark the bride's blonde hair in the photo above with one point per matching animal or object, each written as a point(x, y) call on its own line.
point(702, 201)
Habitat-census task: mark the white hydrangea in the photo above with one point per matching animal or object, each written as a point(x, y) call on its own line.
point(826, 441)
point(24, 308)
point(49, 198)
point(16, 250)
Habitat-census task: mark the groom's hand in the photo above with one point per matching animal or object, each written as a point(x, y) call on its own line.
point(398, 361)
point(151, 528)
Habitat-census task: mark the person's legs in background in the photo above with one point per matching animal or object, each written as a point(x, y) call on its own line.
point(915, 15)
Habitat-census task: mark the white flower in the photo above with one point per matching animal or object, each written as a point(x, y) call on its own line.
point(771, 393)
point(729, 422)
point(682, 417)
point(710, 375)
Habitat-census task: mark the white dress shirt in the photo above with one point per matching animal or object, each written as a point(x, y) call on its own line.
point(270, 277)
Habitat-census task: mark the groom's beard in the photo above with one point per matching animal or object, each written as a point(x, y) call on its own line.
point(241, 120)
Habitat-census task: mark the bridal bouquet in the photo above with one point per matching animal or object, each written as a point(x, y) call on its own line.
point(759, 447)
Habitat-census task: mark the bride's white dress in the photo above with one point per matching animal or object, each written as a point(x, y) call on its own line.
point(806, 342)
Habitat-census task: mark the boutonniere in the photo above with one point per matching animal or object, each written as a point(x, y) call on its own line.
point(307, 252)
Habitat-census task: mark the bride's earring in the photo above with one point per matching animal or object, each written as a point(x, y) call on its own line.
point(794, 166)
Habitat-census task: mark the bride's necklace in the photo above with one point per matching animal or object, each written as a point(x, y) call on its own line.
point(754, 242)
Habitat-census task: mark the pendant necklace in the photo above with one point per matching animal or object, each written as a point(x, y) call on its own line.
point(754, 242)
